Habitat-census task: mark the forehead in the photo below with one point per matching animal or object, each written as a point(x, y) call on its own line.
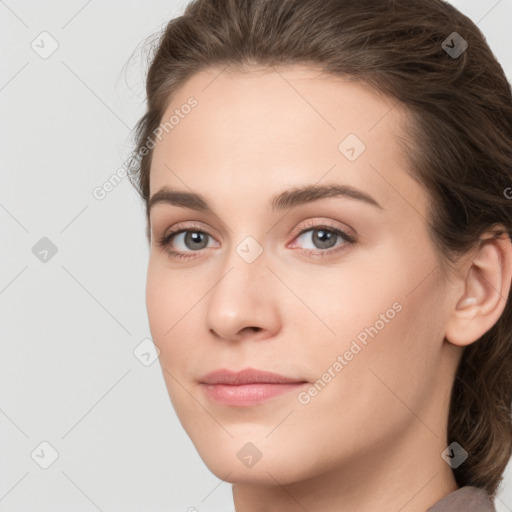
point(280, 126)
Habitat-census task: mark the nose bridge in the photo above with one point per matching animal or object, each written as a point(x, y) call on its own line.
point(245, 263)
point(242, 296)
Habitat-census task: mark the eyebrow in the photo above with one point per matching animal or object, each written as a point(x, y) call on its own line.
point(287, 199)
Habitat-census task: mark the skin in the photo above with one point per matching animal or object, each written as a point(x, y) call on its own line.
point(372, 438)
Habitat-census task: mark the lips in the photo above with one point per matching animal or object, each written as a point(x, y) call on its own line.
point(247, 387)
point(246, 376)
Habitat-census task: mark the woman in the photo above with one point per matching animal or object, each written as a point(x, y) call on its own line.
point(327, 188)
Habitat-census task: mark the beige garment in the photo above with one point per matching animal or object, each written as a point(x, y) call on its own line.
point(465, 499)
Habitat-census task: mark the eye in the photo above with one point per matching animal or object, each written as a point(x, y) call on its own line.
point(188, 241)
point(323, 239)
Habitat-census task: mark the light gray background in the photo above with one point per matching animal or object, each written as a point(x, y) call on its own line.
point(68, 374)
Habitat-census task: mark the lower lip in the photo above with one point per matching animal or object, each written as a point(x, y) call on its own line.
point(248, 394)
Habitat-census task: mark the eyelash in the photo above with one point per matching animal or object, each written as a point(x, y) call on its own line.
point(165, 240)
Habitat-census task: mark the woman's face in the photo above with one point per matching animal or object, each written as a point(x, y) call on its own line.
point(337, 290)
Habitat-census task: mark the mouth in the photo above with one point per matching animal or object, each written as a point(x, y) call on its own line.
point(247, 387)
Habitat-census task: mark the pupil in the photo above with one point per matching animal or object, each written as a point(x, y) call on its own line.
point(323, 238)
point(195, 238)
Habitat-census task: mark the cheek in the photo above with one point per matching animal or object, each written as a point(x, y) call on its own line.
point(394, 349)
point(369, 401)
point(159, 302)
point(173, 303)
point(365, 294)
point(387, 316)
point(164, 304)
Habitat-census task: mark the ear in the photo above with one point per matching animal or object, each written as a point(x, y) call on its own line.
point(485, 281)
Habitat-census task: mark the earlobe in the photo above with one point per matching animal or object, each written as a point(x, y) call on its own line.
point(486, 287)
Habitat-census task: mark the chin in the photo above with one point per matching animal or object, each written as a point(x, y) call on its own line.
point(260, 461)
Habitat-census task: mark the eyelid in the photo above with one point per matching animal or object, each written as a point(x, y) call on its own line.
point(313, 224)
point(310, 224)
point(317, 223)
point(186, 226)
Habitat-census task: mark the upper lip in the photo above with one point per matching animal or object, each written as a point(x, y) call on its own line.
point(245, 376)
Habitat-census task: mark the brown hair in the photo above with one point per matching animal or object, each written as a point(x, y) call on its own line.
point(460, 115)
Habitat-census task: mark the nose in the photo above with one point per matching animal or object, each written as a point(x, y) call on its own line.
point(245, 301)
